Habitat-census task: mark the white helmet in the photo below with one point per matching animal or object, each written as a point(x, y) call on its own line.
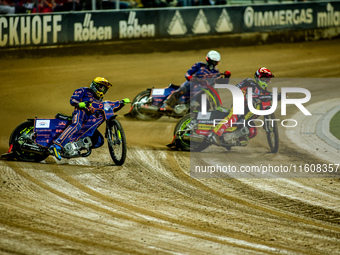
point(213, 58)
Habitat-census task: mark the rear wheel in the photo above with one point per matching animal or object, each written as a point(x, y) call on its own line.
point(23, 133)
point(184, 130)
point(116, 142)
point(139, 100)
point(272, 132)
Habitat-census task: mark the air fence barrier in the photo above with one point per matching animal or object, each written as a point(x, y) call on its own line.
point(20, 31)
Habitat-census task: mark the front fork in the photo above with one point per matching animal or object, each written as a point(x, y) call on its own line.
point(109, 134)
point(268, 125)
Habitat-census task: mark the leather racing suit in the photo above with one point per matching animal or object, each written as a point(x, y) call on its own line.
point(201, 71)
point(80, 116)
point(231, 119)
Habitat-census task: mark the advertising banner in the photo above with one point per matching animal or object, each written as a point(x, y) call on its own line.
point(82, 27)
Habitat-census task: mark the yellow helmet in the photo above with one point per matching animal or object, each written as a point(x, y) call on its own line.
point(100, 86)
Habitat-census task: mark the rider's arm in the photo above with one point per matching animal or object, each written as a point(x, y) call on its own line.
point(122, 103)
point(194, 69)
point(241, 85)
point(76, 97)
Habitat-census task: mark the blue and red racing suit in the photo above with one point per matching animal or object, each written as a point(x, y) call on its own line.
point(232, 118)
point(80, 117)
point(201, 71)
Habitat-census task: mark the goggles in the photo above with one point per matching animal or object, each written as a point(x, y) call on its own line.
point(101, 87)
point(265, 79)
point(213, 62)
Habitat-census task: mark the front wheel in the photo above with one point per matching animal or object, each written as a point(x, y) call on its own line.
point(184, 130)
point(116, 141)
point(272, 132)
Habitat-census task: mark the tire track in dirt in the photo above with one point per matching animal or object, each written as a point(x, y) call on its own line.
point(18, 170)
point(214, 236)
point(178, 175)
point(206, 215)
point(148, 160)
point(310, 218)
point(84, 241)
point(195, 182)
point(144, 212)
point(175, 169)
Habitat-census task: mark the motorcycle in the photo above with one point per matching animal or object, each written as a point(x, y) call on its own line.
point(147, 104)
point(31, 139)
point(191, 132)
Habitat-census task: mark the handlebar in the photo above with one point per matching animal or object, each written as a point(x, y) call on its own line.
point(116, 105)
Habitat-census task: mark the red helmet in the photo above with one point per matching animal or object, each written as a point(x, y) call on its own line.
point(263, 77)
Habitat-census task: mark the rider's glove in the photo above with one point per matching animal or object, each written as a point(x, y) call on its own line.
point(189, 78)
point(227, 74)
point(82, 105)
point(90, 109)
point(87, 106)
point(125, 101)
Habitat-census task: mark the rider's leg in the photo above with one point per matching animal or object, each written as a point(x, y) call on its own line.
point(252, 132)
point(247, 118)
point(64, 138)
point(227, 122)
point(78, 118)
point(172, 99)
point(96, 122)
point(214, 136)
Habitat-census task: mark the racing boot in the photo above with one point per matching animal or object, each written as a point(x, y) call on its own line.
point(55, 150)
point(244, 142)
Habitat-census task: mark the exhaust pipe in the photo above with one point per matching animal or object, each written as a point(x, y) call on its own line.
point(194, 138)
point(148, 108)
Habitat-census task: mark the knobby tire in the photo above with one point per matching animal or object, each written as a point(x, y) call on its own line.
point(116, 142)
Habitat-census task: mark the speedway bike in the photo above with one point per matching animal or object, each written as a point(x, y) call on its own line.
point(191, 132)
point(147, 104)
point(30, 141)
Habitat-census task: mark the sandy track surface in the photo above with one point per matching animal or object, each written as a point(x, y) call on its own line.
point(151, 205)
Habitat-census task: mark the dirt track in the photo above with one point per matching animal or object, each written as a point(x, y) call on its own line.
point(151, 205)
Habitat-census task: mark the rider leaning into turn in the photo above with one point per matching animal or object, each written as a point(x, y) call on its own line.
point(200, 70)
point(259, 85)
point(83, 112)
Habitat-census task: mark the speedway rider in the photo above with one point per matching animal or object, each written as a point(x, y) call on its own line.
point(259, 85)
point(201, 70)
point(83, 112)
